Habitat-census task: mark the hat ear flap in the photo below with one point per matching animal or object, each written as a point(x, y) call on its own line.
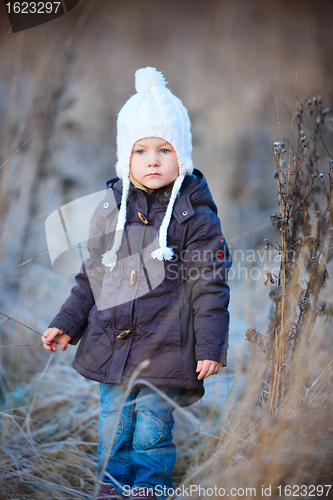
point(109, 259)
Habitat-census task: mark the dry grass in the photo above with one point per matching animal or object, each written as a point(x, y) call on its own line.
point(49, 430)
point(275, 428)
point(49, 437)
point(291, 445)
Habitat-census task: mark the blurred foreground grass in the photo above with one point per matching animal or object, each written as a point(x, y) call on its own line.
point(49, 431)
point(49, 436)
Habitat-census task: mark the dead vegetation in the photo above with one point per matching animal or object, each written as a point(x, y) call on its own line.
point(275, 434)
point(276, 427)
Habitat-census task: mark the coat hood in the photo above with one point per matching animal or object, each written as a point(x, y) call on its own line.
point(193, 193)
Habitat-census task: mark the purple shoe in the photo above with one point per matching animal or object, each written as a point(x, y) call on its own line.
point(107, 492)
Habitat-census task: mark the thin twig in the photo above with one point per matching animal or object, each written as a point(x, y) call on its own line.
point(27, 420)
point(40, 255)
point(20, 345)
point(3, 41)
point(23, 263)
point(32, 446)
point(22, 324)
point(4, 163)
point(29, 328)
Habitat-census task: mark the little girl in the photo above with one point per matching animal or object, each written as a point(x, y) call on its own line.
point(151, 302)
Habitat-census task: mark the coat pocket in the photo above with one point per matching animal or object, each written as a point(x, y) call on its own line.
point(157, 320)
point(96, 347)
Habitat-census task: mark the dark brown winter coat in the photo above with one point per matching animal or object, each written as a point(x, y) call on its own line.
point(172, 313)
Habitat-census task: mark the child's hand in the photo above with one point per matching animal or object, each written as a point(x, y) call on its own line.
point(207, 368)
point(52, 337)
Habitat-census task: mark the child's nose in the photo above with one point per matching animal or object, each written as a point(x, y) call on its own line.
point(153, 159)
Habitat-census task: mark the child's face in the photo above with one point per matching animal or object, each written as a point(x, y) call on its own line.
point(154, 163)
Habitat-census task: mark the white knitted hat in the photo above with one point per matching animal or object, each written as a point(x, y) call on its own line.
point(152, 112)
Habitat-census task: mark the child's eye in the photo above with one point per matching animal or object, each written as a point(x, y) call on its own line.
point(140, 151)
point(164, 150)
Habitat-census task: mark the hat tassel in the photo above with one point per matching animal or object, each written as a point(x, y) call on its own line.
point(165, 252)
point(109, 258)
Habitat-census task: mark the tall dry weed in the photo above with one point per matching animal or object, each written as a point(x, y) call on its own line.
point(275, 434)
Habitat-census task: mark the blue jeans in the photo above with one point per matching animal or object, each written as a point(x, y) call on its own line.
point(135, 437)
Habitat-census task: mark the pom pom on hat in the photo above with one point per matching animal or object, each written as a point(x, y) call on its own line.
point(148, 77)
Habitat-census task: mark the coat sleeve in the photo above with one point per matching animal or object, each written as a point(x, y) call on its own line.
point(208, 261)
point(73, 315)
